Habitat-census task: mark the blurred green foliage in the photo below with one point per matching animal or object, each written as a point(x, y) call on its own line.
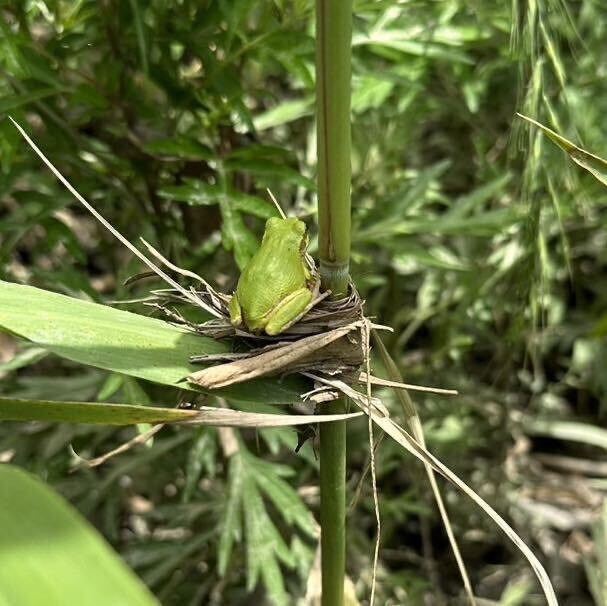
point(473, 238)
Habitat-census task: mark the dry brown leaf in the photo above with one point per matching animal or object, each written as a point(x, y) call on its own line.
point(275, 360)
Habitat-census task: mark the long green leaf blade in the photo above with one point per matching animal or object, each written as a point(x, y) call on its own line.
point(15, 409)
point(121, 341)
point(50, 555)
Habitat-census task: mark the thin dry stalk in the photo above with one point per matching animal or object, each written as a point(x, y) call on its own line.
point(366, 339)
point(138, 440)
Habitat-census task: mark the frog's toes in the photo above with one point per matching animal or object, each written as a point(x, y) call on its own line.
point(235, 311)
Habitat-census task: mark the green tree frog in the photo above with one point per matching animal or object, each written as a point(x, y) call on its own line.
point(276, 287)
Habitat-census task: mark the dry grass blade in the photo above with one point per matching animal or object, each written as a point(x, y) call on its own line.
point(346, 390)
point(185, 293)
point(414, 423)
point(366, 338)
point(410, 444)
point(138, 440)
point(165, 261)
point(266, 363)
point(226, 417)
point(362, 378)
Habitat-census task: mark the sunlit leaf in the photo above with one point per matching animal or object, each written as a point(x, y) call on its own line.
point(595, 165)
point(284, 113)
point(119, 341)
point(50, 555)
point(12, 409)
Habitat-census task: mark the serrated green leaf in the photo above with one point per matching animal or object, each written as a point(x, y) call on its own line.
point(286, 500)
point(232, 523)
point(121, 341)
point(273, 581)
point(200, 456)
point(50, 555)
point(264, 544)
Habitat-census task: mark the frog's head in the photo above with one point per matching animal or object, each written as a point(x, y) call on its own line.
point(290, 230)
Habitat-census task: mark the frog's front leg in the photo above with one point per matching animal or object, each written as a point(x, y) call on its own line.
point(235, 311)
point(288, 311)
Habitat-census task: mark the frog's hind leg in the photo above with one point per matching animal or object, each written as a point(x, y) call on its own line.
point(275, 326)
point(288, 311)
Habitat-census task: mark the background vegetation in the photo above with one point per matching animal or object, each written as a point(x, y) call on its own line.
point(472, 237)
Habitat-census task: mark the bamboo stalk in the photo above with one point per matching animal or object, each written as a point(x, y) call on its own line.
point(333, 58)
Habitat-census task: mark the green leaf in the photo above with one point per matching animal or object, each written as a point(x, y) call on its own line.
point(232, 522)
point(264, 545)
point(286, 500)
point(195, 193)
point(179, 147)
point(28, 356)
point(202, 455)
point(121, 341)
point(10, 102)
point(135, 394)
point(411, 258)
point(252, 205)
point(266, 548)
point(483, 224)
point(284, 113)
point(140, 32)
point(370, 91)
point(15, 409)
point(595, 165)
point(50, 555)
point(568, 430)
point(236, 236)
point(409, 42)
point(265, 168)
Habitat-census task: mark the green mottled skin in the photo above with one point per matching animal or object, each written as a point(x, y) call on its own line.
point(274, 288)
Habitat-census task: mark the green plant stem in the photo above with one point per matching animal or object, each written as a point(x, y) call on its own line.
point(333, 507)
point(333, 58)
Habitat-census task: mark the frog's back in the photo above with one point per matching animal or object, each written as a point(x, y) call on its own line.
point(273, 273)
